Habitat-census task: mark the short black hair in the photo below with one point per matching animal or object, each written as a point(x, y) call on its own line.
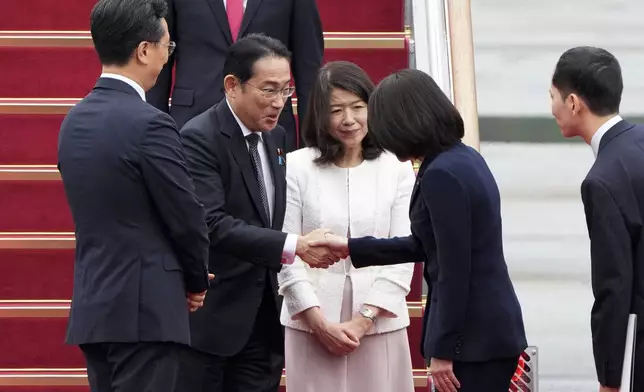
point(315, 127)
point(119, 26)
point(410, 116)
point(594, 75)
point(246, 51)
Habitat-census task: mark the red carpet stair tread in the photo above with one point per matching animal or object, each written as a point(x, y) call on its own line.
point(64, 380)
point(36, 206)
point(37, 330)
point(29, 139)
point(36, 274)
point(70, 72)
point(337, 15)
point(37, 343)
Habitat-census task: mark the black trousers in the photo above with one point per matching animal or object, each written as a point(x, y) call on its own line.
point(490, 376)
point(132, 367)
point(256, 368)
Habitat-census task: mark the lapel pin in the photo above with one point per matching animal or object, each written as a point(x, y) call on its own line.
point(280, 157)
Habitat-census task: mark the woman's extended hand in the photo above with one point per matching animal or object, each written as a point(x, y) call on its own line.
point(442, 373)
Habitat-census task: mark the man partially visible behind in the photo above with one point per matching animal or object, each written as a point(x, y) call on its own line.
point(141, 239)
point(586, 93)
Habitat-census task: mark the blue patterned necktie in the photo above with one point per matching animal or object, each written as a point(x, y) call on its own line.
point(253, 141)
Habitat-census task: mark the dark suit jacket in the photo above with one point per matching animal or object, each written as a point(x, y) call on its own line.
point(141, 240)
point(613, 196)
point(473, 313)
point(245, 252)
point(200, 29)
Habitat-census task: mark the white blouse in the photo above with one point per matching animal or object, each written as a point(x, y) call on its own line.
point(371, 199)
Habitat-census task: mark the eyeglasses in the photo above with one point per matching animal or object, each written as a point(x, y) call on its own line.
point(271, 93)
point(171, 46)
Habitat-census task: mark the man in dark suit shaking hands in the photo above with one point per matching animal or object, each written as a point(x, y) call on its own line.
point(141, 239)
point(586, 93)
point(235, 152)
point(205, 29)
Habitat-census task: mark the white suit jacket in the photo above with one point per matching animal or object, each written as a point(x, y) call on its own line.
point(373, 199)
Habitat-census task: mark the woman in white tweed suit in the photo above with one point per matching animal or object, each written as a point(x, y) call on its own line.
point(346, 327)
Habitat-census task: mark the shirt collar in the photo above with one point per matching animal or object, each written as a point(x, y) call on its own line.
point(127, 80)
point(597, 137)
point(245, 130)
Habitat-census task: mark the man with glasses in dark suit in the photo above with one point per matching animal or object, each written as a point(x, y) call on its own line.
point(235, 153)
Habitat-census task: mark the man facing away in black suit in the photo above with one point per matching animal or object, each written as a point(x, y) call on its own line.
point(141, 239)
point(235, 153)
point(586, 93)
point(205, 29)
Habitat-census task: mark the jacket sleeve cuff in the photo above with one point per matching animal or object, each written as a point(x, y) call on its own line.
point(288, 252)
point(387, 296)
point(299, 297)
point(447, 348)
point(609, 377)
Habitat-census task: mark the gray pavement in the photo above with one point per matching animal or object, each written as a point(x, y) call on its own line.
point(547, 251)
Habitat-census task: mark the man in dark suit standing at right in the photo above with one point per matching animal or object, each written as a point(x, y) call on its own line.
point(141, 239)
point(235, 152)
point(586, 93)
point(205, 29)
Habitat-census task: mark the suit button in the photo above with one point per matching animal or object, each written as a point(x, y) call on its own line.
point(259, 283)
point(457, 351)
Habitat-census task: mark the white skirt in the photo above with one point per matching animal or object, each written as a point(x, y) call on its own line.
point(382, 362)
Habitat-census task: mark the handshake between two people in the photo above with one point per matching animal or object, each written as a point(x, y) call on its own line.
point(321, 248)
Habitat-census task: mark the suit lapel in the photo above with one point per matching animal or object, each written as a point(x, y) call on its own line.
point(414, 192)
point(219, 11)
point(249, 13)
point(279, 181)
point(239, 149)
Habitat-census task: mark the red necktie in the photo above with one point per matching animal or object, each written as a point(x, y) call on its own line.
point(235, 11)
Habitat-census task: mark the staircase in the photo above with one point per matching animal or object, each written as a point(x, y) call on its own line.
point(48, 64)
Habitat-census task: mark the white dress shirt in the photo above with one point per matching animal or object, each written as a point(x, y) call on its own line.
point(127, 80)
point(597, 137)
point(288, 253)
point(371, 199)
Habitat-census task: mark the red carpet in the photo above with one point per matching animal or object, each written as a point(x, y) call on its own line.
point(337, 15)
point(48, 389)
point(38, 343)
point(36, 274)
point(35, 206)
point(29, 139)
point(71, 72)
point(45, 14)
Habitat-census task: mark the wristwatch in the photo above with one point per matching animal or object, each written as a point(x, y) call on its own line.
point(367, 313)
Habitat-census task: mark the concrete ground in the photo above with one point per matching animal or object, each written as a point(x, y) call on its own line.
point(547, 251)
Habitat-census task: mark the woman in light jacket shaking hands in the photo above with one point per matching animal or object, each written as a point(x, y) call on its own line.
point(346, 328)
